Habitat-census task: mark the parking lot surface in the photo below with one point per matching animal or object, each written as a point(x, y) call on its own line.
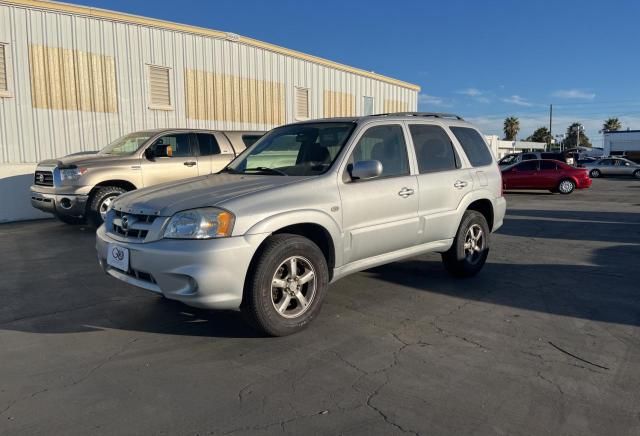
point(546, 340)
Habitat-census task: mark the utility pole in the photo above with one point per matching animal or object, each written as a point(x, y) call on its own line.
point(550, 124)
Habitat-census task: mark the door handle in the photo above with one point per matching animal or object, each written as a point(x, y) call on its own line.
point(459, 184)
point(405, 192)
point(190, 164)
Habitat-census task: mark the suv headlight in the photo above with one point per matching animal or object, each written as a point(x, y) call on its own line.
point(72, 173)
point(203, 223)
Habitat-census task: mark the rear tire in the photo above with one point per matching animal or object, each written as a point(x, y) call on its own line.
point(282, 297)
point(99, 203)
point(470, 248)
point(566, 186)
point(594, 174)
point(636, 174)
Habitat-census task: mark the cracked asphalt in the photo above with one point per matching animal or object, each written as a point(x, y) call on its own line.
point(546, 340)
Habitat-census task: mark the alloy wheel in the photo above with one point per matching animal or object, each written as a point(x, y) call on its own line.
point(566, 186)
point(293, 287)
point(474, 243)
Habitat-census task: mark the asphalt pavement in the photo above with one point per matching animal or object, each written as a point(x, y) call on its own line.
point(546, 340)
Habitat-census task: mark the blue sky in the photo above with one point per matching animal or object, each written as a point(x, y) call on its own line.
point(482, 59)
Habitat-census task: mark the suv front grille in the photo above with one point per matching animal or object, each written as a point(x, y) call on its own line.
point(43, 178)
point(132, 226)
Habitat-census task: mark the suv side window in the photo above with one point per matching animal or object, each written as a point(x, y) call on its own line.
point(473, 145)
point(385, 144)
point(529, 156)
point(175, 145)
point(530, 165)
point(249, 140)
point(434, 150)
point(208, 144)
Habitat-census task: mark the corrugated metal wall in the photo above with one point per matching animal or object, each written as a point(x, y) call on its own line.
point(77, 83)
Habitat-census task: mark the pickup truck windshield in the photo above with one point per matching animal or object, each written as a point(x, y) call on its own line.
point(127, 144)
point(305, 149)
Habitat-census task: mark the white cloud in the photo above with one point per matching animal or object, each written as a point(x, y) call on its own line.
point(574, 94)
point(517, 100)
point(471, 92)
point(432, 100)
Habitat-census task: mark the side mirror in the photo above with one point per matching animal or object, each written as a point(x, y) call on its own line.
point(149, 153)
point(366, 169)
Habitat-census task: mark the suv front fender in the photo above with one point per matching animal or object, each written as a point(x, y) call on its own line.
point(304, 216)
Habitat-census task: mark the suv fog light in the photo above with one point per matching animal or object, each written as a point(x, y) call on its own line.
point(65, 203)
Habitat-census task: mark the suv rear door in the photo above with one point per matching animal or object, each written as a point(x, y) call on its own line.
point(442, 182)
point(212, 155)
point(379, 215)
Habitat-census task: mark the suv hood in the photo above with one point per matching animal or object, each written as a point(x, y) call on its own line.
point(169, 198)
point(82, 159)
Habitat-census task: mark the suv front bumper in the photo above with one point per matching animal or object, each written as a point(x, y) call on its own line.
point(208, 273)
point(72, 205)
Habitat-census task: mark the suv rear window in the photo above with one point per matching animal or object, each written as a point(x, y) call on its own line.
point(473, 145)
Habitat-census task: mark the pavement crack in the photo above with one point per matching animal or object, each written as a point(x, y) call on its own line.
point(556, 385)
point(576, 357)
point(379, 411)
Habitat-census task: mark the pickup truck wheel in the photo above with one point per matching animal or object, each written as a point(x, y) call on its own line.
point(286, 285)
point(470, 248)
point(99, 203)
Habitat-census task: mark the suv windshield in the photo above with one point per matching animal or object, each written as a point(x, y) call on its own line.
point(127, 144)
point(305, 149)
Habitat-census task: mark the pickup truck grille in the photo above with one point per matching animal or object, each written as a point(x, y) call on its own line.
point(132, 226)
point(43, 178)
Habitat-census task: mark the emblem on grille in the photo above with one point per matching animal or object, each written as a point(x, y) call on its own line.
point(41, 178)
point(125, 222)
point(117, 253)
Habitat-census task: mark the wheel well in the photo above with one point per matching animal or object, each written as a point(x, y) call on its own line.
point(485, 207)
point(127, 186)
point(319, 235)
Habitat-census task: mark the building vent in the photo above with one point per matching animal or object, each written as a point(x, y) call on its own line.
point(159, 88)
point(3, 70)
point(302, 103)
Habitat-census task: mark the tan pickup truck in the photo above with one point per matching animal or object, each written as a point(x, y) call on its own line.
point(81, 187)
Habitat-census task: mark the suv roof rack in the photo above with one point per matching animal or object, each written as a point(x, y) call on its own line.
point(422, 114)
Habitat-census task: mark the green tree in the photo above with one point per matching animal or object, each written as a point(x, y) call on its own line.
point(572, 134)
point(511, 128)
point(612, 124)
point(541, 134)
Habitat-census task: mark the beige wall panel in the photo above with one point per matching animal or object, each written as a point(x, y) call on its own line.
point(339, 104)
point(223, 97)
point(72, 80)
point(395, 106)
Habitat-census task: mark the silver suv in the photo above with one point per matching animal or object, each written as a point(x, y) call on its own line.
point(307, 204)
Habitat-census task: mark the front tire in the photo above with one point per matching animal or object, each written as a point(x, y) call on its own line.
point(286, 285)
point(470, 248)
point(566, 186)
point(636, 174)
point(594, 174)
point(100, 202)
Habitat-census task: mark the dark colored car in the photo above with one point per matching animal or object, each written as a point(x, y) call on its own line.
point(552, 175)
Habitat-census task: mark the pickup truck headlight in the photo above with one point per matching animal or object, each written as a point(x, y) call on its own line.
point(71, 173)
point(206, 223)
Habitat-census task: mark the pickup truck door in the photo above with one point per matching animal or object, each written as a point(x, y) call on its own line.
point(175, 159)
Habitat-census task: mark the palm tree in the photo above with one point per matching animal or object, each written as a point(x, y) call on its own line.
point(612, 124)
point(511, 128)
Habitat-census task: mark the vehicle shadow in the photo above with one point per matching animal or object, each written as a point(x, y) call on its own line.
point(604, 291)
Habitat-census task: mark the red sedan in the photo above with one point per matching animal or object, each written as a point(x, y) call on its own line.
point(545, 174)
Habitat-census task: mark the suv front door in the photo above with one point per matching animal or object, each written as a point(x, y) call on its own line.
point(173, 158)
point(379, 215)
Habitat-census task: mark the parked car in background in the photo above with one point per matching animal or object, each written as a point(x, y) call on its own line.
point(307, 204)
point(613, 166)
point(551, 175)
point(82, 186)
point(514, 158)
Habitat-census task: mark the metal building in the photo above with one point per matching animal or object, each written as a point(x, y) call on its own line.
point(74, 78)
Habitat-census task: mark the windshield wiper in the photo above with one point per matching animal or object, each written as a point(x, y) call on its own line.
point(267, 170)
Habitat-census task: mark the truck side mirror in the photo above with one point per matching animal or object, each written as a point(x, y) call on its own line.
point(149, 153)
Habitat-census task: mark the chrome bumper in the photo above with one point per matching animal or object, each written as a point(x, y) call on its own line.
point(201, 273)
point(60, 204)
